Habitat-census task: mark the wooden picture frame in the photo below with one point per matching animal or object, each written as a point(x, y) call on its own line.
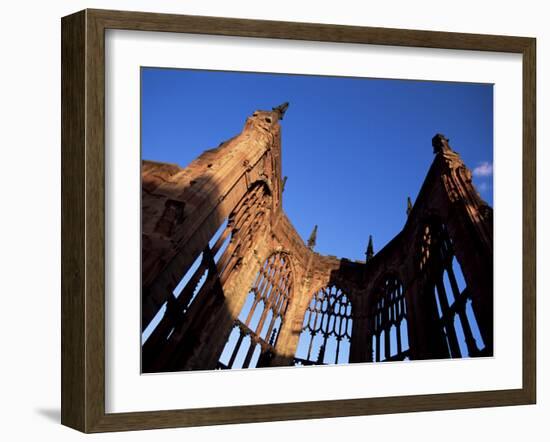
point(83, 220)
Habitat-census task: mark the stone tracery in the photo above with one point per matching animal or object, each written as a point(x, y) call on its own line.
point(218, 247)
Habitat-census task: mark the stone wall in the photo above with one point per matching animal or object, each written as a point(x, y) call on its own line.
point(239, 184)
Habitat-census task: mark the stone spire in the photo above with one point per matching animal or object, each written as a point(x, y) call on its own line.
point(312, 238)
point(409, 205)
point(370, 249)
point(281, 109)
point(440, 143)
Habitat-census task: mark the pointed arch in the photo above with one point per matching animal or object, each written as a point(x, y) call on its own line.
point(445, 281)
point(262, 315)
point(389, 324)
point(326, 329)
point(206, 278)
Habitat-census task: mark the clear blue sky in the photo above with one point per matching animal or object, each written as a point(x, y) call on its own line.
point(353, 148)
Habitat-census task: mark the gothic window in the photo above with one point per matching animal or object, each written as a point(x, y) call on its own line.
point(390, 340)
point(254, 335)
point(452, 297)
point(326, 330)
point(213, 265)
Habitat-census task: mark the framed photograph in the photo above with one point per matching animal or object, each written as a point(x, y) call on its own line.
point(266, 220)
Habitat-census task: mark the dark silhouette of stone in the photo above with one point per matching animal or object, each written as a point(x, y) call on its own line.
point(440, 143)
point(281, 109)
point(219, 224)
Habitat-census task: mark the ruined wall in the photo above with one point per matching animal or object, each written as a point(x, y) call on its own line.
point(183, 208)
point(236, 189)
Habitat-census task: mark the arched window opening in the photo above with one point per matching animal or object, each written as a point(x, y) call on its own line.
point(326, 330)
point(256, 356)
point(452, 297)
point(229, 347)
point(240, 353)
point(261, 316)
point(254, 316)
point(212, 266)
point(404, 334)
point(390, 340)
point(381, 344)
point(473, 323)
point(191, 284)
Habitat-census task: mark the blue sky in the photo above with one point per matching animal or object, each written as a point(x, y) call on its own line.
point(353, 148)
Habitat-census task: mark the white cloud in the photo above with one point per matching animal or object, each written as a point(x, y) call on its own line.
point(484, 169)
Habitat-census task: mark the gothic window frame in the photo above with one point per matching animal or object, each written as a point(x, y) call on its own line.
point(270, 296)
point(318, 319)
point(209, 272)
point(453, 305)
point(389, 310)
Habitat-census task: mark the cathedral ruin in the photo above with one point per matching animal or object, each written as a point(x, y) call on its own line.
point(231, 284)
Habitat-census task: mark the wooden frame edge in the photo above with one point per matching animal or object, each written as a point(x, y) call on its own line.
point(307, 410)
point(73, 129)
point(83, 230)
point(529, 220)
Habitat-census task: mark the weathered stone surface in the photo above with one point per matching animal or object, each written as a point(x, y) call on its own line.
point(239, 185)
